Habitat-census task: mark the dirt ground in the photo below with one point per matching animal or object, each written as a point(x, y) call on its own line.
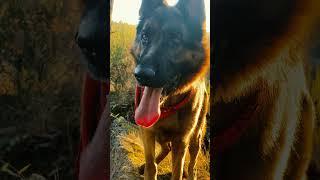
point(127, 154)
point(36, 157)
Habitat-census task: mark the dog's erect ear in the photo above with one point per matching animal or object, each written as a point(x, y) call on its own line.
point(194, 10)
point(148, 6)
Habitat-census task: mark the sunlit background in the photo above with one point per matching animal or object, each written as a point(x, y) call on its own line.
point(128, 11)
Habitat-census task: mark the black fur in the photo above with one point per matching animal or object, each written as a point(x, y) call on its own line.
point(242, 29)
point(92, 38)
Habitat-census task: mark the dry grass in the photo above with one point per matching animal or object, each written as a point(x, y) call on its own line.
point(133, 145)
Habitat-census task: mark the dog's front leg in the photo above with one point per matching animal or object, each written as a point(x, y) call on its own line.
point(194, 148)
point(150, 170)
point(179, 148)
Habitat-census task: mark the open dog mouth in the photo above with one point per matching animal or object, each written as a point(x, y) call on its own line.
point(148, 111)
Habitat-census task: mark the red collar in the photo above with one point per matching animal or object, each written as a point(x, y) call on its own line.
point(165, 111)
point(232, 135)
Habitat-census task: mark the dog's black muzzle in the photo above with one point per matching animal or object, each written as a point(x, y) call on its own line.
point(149, 76)
point(92, 39)
point(95, 57)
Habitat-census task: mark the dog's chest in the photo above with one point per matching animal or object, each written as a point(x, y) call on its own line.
point(169, 128)
point(169, 124)
point(179, 123)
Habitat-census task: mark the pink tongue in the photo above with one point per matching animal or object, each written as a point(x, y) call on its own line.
point(148, 111)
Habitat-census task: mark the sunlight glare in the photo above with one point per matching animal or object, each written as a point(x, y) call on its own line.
point(128, 11)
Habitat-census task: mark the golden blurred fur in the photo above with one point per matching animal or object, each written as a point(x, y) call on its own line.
point(279, 142)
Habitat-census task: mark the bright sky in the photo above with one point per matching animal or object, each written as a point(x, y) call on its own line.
point(128, 11)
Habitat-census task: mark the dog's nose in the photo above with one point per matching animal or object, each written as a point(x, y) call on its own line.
point(83, 41)
point(144, 74)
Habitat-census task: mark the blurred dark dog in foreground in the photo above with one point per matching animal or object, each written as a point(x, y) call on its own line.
point(264, 116)
point(92, 38)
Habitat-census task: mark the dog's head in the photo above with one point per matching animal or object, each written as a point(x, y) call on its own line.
point(168, 51)
point(168, 46)
point(92, 38)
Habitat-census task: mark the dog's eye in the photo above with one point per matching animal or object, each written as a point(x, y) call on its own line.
point(144, 39)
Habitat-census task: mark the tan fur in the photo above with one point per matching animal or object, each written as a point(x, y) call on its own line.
point(279, 143)
point(282, 133)
point(182, 131)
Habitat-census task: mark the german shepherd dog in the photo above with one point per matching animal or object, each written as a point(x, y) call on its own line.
point(171, 63)
point(92, 38)
point(263, 114)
